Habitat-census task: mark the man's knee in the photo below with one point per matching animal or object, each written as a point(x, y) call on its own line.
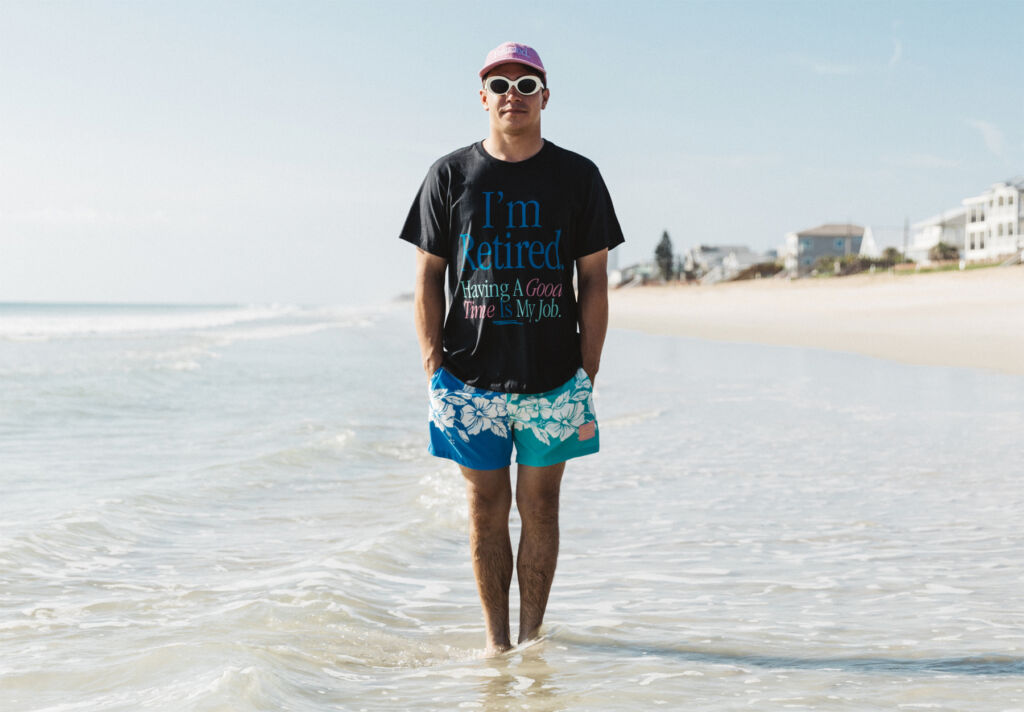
point(537, 498)
point(489, 493)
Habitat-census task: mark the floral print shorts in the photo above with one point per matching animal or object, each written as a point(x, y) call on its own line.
point(477, 428)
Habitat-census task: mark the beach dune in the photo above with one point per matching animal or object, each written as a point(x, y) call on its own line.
point(971, 318)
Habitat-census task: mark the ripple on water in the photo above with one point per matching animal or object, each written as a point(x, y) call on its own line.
point(774, 537)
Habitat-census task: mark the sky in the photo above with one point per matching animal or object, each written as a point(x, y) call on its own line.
point(268, 152)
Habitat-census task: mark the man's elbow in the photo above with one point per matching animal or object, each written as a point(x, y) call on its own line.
point(595, 282)
point(430, 268)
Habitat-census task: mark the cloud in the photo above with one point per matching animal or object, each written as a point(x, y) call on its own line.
point(897, 53)
point(920, 160)
point(994, 139)
point(825, 68)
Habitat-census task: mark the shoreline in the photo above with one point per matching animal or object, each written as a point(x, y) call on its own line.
point(972, 319)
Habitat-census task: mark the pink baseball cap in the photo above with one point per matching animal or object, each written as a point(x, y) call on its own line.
point(514, 52)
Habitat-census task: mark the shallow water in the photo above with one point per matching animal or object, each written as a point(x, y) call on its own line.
point(231, 508)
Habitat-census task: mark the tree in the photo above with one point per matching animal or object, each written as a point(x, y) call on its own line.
point(891, 256)
point(943, 251)
point(663, 257)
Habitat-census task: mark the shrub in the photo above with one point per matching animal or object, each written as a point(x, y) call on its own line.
point(943, 252)
point(761, 269)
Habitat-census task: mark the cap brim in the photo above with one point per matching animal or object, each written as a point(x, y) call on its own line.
point(492, 65)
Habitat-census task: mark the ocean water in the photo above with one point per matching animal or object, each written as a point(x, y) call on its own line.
point(232, 508)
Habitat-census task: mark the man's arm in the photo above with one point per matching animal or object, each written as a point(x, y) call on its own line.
point(428, 305)
point(592, 283)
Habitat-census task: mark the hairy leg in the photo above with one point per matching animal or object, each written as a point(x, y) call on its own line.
point(489, 494)
point(537, 491)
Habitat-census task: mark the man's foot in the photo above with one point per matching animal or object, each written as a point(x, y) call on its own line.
point(530, 637)
point(493, 651)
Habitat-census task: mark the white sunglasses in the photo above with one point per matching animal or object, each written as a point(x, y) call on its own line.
point(525, 85)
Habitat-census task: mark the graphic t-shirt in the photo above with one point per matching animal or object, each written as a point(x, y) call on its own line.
point(511, 233)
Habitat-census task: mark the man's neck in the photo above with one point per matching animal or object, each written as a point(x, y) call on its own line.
point(513, 148)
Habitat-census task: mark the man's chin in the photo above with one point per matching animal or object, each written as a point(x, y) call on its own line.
point(515, 127)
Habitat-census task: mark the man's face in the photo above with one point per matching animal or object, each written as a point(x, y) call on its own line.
point(512, 112)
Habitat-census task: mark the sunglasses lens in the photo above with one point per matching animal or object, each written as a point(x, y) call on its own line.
point(498, 85)
point(527, 85)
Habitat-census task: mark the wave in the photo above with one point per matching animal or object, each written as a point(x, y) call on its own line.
point(225, 323)
point(47, 321)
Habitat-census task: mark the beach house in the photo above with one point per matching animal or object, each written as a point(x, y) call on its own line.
point(804, 248)
point(948, 227)
point(994, 222)
point(718, 263)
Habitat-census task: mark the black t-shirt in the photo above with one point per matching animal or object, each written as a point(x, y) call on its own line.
point(511, 233)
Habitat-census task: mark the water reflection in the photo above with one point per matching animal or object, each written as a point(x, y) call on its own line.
point(524, 679)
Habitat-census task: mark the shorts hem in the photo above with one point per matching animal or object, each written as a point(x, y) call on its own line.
point(462, 461)
point(556, 457)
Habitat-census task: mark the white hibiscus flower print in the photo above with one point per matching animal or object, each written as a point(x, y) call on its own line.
point(581, 388)
point(544, 406)
point(443, 414)
point(481, 414)
point(565, 419)
point(523, 410)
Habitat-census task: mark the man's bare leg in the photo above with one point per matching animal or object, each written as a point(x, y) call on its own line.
point(537, 491)
point(489, 494)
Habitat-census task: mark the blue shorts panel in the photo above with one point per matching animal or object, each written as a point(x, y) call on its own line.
point(478, 428)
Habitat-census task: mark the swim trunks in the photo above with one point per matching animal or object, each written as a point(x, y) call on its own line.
point(477, 428)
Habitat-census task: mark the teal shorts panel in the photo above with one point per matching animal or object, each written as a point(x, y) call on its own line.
point(479, 429)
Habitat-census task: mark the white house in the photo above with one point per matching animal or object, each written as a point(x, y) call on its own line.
point(948, 227)
point(716, 263)
point(994, 222)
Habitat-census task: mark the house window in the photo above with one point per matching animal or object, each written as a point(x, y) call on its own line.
point(1009, 228)
point(981, 241)
point(1009, 199)
point(972, 240)
point(1000, 230)
point(805, 244)
point(840, 243)
point(1000, 200)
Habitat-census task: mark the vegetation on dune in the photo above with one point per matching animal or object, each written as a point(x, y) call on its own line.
point(855, 264)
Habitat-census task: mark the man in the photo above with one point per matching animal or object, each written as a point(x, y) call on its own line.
point(507, 219)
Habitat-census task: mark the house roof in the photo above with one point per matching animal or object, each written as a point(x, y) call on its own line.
point(952, 215)
point(722, 248)
point(1015, 182)
point(833, 230)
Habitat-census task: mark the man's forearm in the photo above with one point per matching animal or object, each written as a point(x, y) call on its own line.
point(428, 307)
point(593, 310)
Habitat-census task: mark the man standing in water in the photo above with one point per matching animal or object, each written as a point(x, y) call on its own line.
point(513, 361)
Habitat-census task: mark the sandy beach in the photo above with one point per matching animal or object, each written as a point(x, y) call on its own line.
point(972, 318)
